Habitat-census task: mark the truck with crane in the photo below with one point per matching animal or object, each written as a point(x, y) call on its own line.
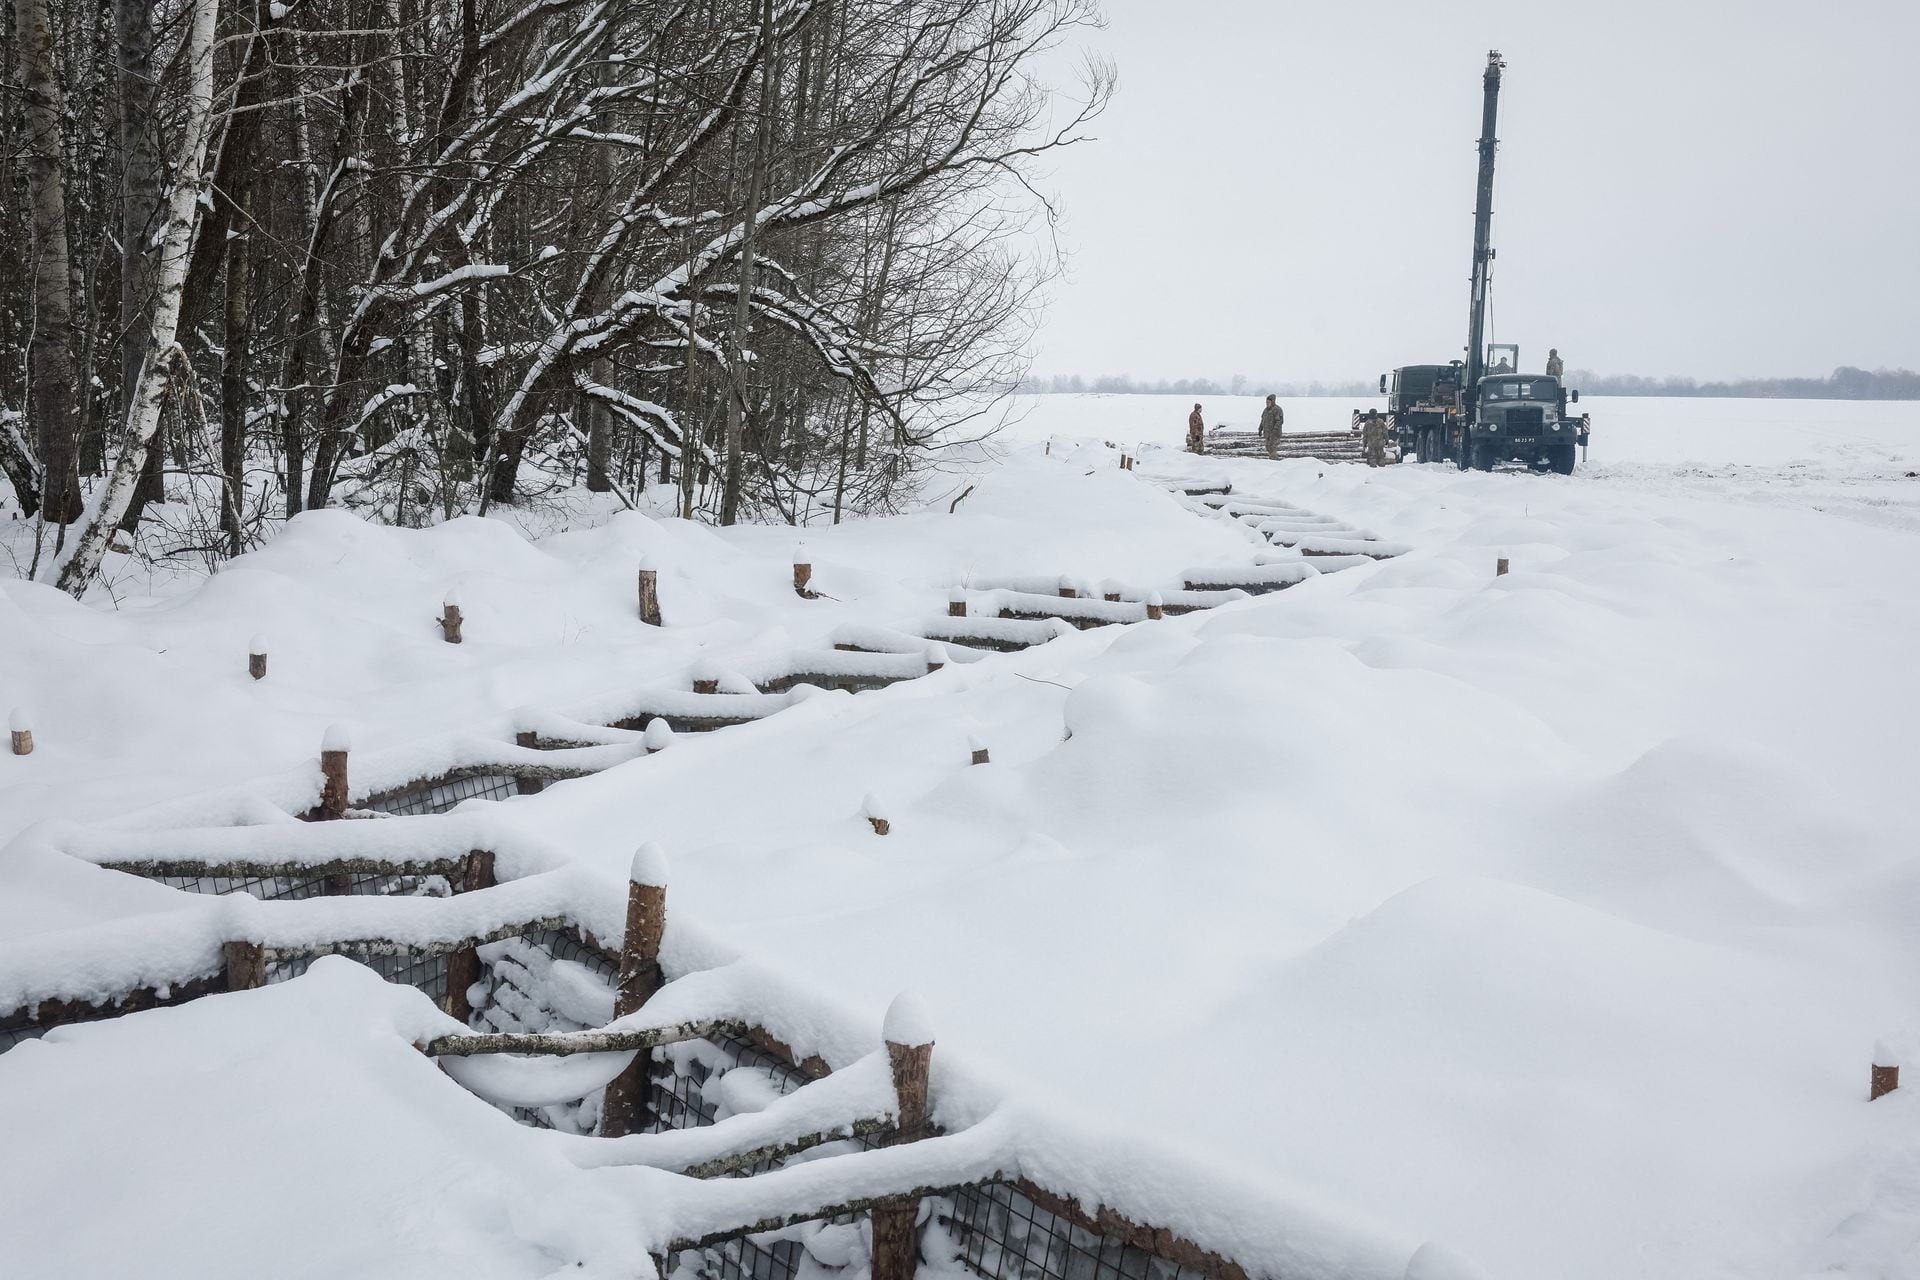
point(1481, 411)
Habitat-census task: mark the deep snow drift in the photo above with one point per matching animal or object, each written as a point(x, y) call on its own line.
point(1554, 915)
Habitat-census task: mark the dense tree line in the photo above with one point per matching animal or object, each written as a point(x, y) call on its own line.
point(423, 256)
point(1845, 383)
point(1238, 385)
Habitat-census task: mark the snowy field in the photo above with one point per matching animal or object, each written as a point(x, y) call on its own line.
point(1554, 916)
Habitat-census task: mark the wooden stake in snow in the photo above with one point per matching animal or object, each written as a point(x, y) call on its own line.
point(22, 729)
point(1067, 589)
point(463, 965)
point(529, 739)
point(876, 815)
point(334, 746)
point(706, 678)
point(246, 965)
point(640, 978)
point(979, 750)
point(1500, 567)
point(908, 1031)
point(450, 617)
point(1110, 591)
point(936, 657)
point(649, 592)
point(802, 572)
point(956, 603)
point(1886, 1072)
point(1155, 609)
point(658, 737)
point(257, 658)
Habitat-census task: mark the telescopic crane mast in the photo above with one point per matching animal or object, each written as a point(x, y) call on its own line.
point(1483, 228)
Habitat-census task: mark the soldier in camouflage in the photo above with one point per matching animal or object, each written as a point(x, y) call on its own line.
point(1373, 438)
point(1272, 419)
point(1555, 368)
point(1196, 432)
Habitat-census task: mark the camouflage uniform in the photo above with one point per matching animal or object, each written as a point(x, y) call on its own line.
point(1373, 438)
point(1272, 419)
point(1196, 432)
point(1555, 368)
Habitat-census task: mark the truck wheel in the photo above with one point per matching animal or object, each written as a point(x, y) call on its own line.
point(1482, 453)
point(1464, 458)
point(1422, 451)
point(1560, 457)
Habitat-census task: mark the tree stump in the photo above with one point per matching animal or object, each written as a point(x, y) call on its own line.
point(649, 593)
point(257, 658)
point(802, 574)
point(21, 729)
point(909, 1037)
point(1500, 567)
point(957, 604)
point(333, 772)
point(622, 1109)
point(1155, 609)
point(450, 619)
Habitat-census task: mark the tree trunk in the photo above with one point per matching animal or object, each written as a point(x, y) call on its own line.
point(169, 276)
point(133, 27)
point(743, 300)
point(54, 414)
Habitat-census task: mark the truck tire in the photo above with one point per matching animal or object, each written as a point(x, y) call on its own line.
point(1560, 456)
point(1422, 446)
point(1465, 457)
point(1482, 452)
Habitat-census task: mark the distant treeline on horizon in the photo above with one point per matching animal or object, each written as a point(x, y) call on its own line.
point(1844, 383)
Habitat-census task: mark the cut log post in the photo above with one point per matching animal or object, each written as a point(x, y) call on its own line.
point(936, 657)
point(979, 750)
point(956, 603)
point(623, 1106)
point(333, 772)
point(706, 684)
point(658, 736)
point(1500, 567)
point(1886, 1072)
point(257, 658)
point(20, 725)
point(909, 1035)
point(1156, 609)
point(876, 815)
point(802, 572)
point(450, 618)
point(1067, 590)
point(246, 965)
point(463, 965)
point(649, 592)
point(529, 739)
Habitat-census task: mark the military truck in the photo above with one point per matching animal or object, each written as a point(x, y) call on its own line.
point(1483, 410)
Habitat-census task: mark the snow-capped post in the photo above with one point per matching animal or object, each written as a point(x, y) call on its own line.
point(246, 964)
point(1500, 567)
point(450, 617)
point(1886, 1071)
point(1156, 608)
point(876, 815)
point(1110, 591)
point(463, 963)
point(956, 603)
point(1437, 1262)
point(257, 657)
point(20, 725)
point(908, 1031)
point(649, 592)
point(979, 750)
point(658, 736)
point(802, 572)
point(936, 657)
point(639, 980)
point(706, 678)
point(334, 745)
point(530, 739)
point(1067, 589)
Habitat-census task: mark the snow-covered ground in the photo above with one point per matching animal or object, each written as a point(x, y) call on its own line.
point(1555, 915)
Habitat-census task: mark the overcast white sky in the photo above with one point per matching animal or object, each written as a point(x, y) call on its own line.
point(1719, 188)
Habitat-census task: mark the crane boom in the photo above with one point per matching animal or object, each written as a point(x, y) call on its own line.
point(1483, 228)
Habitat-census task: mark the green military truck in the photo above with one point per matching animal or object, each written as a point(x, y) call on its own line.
point(1423, 410)
point(1523, 417)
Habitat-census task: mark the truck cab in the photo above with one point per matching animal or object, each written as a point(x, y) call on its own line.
point(1523, 417)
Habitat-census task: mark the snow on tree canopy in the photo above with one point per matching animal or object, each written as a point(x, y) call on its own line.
point(336, 738)
point(649, 865)
point(908, 1021)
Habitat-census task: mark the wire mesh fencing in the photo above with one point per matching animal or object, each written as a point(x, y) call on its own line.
point(440, 795)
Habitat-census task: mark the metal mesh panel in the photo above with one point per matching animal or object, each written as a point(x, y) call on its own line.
point(8, 1039)
point(741, 1259)
point(1003, 1235)
point(280, 888)
point(429, 973)
point(438, 797)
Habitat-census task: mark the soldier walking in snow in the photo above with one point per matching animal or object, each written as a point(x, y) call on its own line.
point(1373, 438)
point(1554, 366)
point(1272, 419)
point(1196, 432)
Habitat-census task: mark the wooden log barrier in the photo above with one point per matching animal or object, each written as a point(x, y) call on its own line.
point(246, 965)
point(524, 785)
point(649, 592)
point(1156, 608)
point(463, 964)
point(956, 603)
point(623, 1106)
point(334, 746)
point(909, 1035)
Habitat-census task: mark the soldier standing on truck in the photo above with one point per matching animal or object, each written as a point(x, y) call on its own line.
point(1272, 419)
point(1196, 432)
point(1373, 438)
point(1554, 366)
